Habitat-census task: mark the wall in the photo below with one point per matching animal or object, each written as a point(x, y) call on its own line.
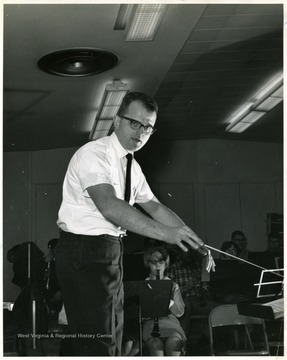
point(218, 186)
point(17, 222)
point(32, 184)
point(215, 186)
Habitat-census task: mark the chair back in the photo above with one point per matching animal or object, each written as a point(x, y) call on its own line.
point(235, 334)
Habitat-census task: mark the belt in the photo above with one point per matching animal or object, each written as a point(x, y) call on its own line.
point(103, 235)
point(112, 236)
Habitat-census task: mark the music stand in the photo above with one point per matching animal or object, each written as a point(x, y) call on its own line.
point(154, 298)
point(270, 283)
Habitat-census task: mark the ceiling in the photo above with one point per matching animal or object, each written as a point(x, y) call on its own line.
point(205, 61)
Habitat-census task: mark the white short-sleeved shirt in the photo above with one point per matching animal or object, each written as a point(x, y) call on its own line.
point(98, 162)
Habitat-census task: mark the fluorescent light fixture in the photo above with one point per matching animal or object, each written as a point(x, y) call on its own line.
point(247, 121)
point(269, 89)
point(269, 103)
point(268, 97)
point(278, 93)
point(109, 107)
point(123, 16)
point(104, 125)
point(253, 116)
point(140, 21)
point(243, 111)
point(272, 100)
point(239, 127)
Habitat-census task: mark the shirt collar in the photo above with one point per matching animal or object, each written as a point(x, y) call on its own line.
point(119, 149)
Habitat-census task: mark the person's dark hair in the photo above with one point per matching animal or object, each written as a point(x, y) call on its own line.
point(228, 244)
point(11, 254)
point(148, 102)
point(238, 232)
point(148, 254)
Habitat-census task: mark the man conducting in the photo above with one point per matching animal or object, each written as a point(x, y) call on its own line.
point(95, 213)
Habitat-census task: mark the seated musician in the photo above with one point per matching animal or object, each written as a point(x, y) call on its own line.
point(229, 247)
point(272, 257)
point(171, 339)
point(186, 271)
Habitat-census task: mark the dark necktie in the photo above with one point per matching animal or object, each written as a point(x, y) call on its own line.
point(128, 177)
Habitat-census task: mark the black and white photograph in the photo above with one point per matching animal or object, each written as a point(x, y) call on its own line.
point(143, 178)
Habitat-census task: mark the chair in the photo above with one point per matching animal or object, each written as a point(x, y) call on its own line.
point(235, 334)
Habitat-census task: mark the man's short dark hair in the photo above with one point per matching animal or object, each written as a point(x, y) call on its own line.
point(148, 102)
point(238, 233)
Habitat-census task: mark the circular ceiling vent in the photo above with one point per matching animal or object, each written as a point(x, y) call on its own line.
point(78, 62)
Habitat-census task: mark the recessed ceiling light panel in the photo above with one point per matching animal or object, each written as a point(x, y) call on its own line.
point(78, 62)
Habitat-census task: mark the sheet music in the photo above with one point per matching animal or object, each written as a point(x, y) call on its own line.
point(277, 307)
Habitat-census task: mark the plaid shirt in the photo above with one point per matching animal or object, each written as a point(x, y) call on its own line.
point(188, 277)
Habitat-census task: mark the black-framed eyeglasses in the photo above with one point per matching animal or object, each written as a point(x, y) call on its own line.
point(155, 262)
point(136, 125)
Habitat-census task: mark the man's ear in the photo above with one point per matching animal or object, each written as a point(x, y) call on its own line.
point(117, 121)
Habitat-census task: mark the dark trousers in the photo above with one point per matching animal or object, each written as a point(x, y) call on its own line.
point(89, 270)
